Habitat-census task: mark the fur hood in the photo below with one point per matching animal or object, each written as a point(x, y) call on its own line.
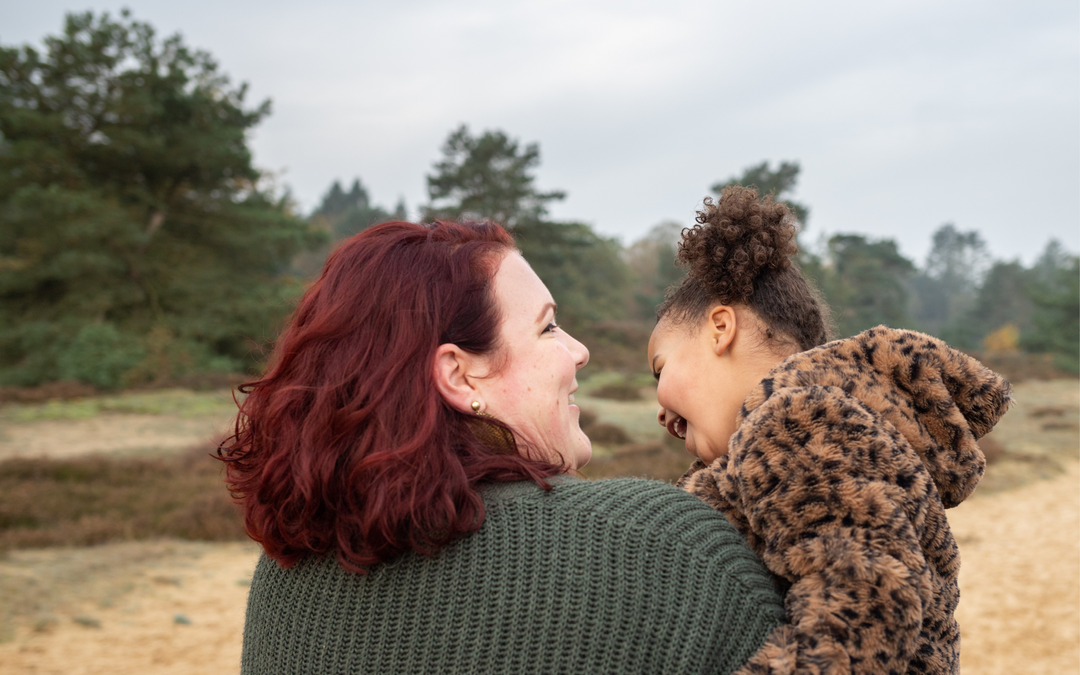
point(938, 398)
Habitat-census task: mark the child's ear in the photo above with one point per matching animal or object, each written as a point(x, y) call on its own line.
point(452, 369)
point(721, 328)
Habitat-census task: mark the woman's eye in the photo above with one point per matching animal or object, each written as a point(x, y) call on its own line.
point(550, 327)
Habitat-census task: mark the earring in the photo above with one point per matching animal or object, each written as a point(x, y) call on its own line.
point(494, 435)
point(476, 409)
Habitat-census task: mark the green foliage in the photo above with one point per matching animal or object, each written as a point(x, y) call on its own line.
point(777, 183)
point(1055, 292)
point(347, 213)
point(487, 177)
point(490, 177)
point(864, 282)
point(128, 202)
point(1003, 298)
point(583, 270)
point(651, 261)
point(946, 288)
point(100, 355)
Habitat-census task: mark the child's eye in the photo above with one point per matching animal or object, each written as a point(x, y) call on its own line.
point(550, 327)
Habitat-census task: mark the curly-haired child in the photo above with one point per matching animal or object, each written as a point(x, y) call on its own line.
point(836, 461)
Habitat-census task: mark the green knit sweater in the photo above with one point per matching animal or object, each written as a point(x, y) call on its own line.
point(615, 576)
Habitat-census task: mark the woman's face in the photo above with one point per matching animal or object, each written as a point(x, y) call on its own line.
point(532, 389)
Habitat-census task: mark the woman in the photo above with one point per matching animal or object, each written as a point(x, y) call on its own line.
point(405, 463)
point(836, 461)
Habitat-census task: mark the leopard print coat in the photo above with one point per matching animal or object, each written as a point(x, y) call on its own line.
point(839, 473)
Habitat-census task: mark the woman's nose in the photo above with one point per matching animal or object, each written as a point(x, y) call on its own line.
point(661, 416)
point(579, 351)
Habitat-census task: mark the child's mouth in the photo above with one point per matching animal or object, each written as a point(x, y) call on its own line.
point(677, 427)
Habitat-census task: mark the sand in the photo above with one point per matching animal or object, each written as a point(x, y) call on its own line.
point(160, 607)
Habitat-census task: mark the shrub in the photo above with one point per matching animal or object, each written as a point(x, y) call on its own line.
point(98, 499)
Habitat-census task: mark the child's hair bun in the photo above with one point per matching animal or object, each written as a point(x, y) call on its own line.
point(737, 238)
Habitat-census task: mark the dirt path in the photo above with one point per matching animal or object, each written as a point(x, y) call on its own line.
point(138, 422)
point(109, 434)
point(1020, 579)
point(164, 607)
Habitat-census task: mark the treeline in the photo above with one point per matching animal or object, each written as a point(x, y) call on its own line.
point(608, 293)
point(138, 243)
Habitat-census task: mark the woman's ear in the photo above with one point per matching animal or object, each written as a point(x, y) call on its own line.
point(452, 369)
point(721, 328)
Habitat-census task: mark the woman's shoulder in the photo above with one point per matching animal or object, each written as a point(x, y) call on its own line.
point(621, 511)
point(627, 576)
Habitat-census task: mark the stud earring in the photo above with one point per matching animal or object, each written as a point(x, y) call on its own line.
point(476, 409)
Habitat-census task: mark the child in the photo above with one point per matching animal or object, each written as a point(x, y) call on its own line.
point(836, 461)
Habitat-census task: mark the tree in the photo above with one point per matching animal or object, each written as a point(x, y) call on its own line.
point(1003, 299)
point(777, 183)
point(651, 262)
point(347, 213)
point(1055, 292)
point(864, 282)
point(487, 177)
point(129, 207)
point(490, 178)
point(946, 288)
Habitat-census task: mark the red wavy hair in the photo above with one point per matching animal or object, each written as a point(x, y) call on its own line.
point(345, 444)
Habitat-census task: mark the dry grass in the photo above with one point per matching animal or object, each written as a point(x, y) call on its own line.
point(96, 499)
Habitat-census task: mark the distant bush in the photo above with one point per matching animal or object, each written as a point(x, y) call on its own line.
point(618, 391)
point(665, 461)
point(1020, 366)
point(602, 432)
point(992, 449)
point(94, 500)
point(100, 355)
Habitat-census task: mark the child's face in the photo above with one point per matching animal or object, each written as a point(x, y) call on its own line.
point(698, 392)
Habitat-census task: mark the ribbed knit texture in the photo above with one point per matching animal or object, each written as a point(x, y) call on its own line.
point(616, 576)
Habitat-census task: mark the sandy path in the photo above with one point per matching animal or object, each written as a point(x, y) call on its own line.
point(165, 607)
point(1020, 579)
point(109, 434)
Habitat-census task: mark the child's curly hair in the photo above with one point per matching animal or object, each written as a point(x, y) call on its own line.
point(740, 252)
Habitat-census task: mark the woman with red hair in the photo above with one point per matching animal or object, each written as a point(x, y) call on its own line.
point(407, 463)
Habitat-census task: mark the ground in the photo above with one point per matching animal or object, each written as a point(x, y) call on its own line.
point(178, 607)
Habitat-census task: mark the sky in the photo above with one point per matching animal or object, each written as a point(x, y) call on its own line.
point(904, 115)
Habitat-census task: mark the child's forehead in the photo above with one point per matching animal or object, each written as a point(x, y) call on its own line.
point(663, 341)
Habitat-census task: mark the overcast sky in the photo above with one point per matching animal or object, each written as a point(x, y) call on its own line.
point(904, 115)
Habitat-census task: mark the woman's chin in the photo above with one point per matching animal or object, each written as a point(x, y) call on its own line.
point(584, 450)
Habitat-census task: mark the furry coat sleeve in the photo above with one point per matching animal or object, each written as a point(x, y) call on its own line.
point(835, 501)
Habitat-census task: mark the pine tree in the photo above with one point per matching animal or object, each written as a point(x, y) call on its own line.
point(865, 283)
point(769, 182)
point(129, 206)
point(490, 177)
